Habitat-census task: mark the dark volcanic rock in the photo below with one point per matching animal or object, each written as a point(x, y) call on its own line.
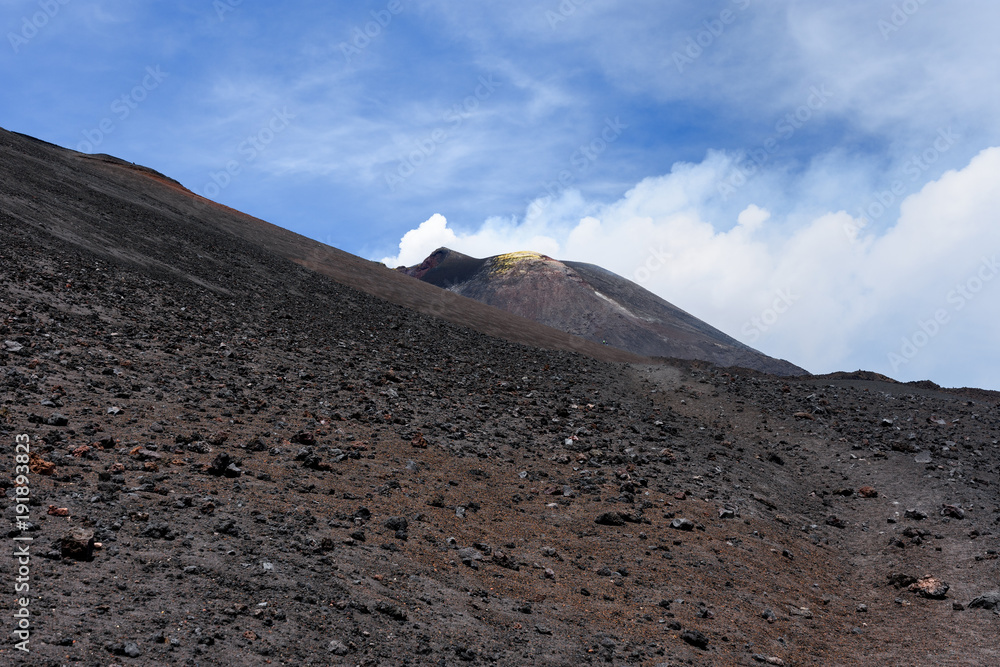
point(989, 600)
point(224, 465)
point(78, 544)
point(695, 638)
point(682, 524)
point(611, 519)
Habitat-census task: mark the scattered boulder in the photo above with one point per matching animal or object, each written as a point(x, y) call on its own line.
point(989, 600)
point(768, 660)
point(611, 519)
point(337, 647)
point(78, 544)
point(310, 459)
point(391, 610)
point(57, 420)
point(398, 524)
point(470, 556)
point(930, 587)
point(695, 638)
point(682, 524)
point(304, 438)
point(159, 531)
point(901, 580)
point(506, 561)
point(867, 492)
point(40, 466)
point(223, 466)
point(800, 611)
point(953, 511)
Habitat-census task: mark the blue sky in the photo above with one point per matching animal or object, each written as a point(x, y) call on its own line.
point(819, 180)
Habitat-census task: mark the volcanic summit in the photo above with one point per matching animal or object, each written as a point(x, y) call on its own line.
point(593, 303)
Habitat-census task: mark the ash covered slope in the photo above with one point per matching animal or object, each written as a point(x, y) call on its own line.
point(283, 469)
point(593, 303)
point(118, 209)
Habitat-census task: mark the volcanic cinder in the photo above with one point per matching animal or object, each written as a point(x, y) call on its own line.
point(249, 448)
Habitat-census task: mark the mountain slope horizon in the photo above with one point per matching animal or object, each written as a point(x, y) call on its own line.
point(589, 301)
point(178, 208)
point(237, 459)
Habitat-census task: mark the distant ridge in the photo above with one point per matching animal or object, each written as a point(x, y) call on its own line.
point(592, 303)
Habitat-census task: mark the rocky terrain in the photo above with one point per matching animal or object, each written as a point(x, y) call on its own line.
point(239, 460)
point(593, 303)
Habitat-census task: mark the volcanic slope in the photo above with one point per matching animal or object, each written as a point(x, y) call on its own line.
point(47, 185)
point(281, 469)
point(590, 302)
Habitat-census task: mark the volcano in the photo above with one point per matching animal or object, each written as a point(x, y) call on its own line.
point(244, 447)
point(592, 303)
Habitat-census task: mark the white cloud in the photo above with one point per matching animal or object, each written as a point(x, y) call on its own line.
point(752, 217)
point(851, 302)
point(417, 243)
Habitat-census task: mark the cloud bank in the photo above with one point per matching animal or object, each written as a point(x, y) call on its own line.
point(830, 292)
